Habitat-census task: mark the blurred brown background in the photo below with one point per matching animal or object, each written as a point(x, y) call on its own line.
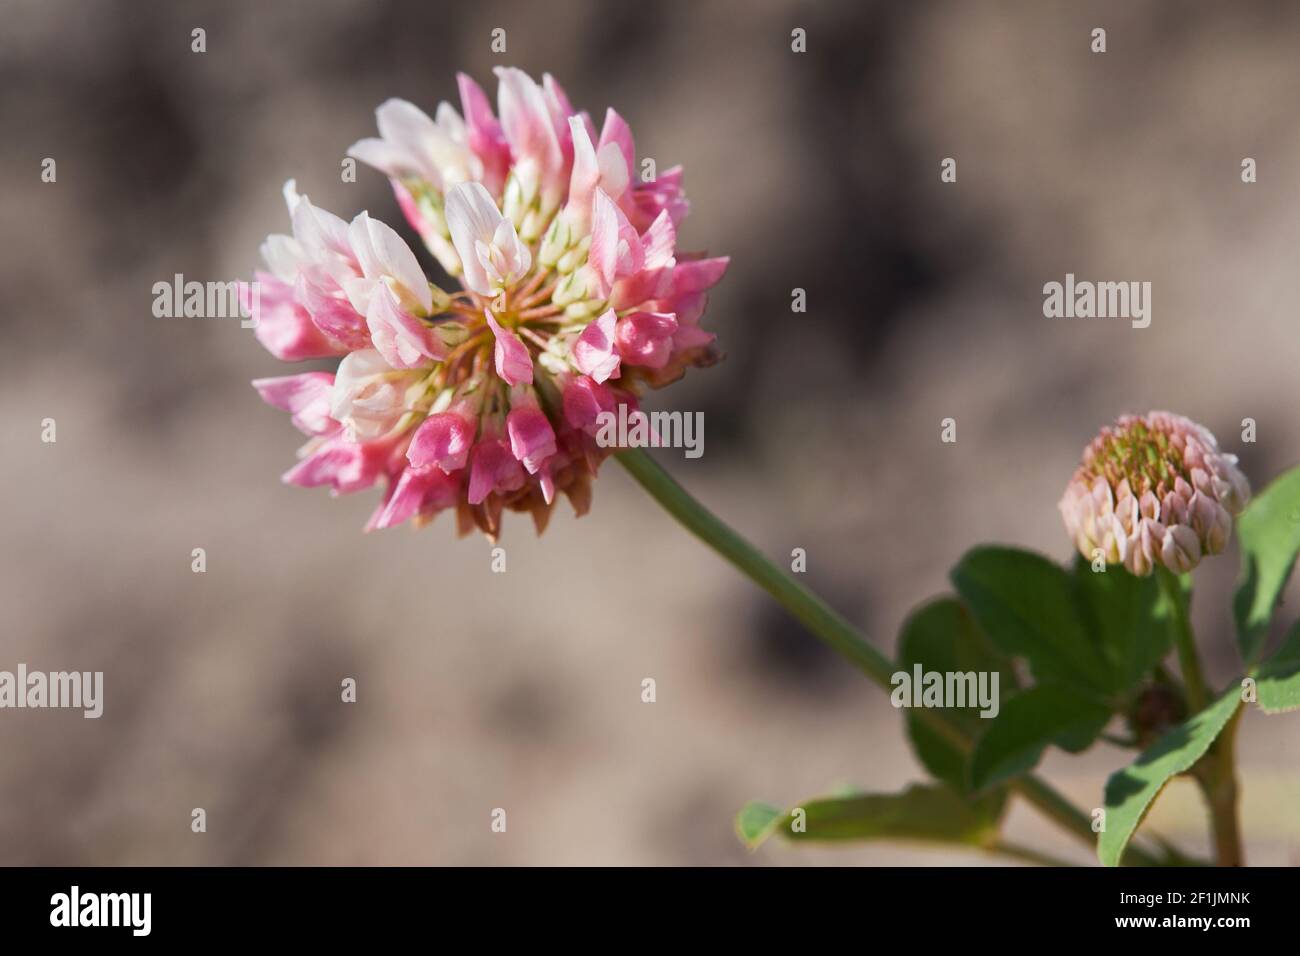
point(522, 690)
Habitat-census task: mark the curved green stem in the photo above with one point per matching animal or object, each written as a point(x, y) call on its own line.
point(835, 631)
point(811, 610)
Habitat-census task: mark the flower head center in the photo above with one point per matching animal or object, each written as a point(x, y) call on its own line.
point(1140, 453)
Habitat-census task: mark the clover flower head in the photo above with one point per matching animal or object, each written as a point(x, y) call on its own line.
point(1153, 490)
point(573, 300)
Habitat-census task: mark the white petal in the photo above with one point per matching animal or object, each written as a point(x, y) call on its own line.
point(382, 253)
point(383, 156)
point(410, 130)
point(319, 231)
point(518, 253)
point(586, 170)
point(359, 371)
point(401, 263)
point(290, 192)
point(525, 117)
point(283, 256)
point(449, 122)
point(472, 217)
point(660, 241)
point(359, 289)
point(504, 237)
point(359, 239)
point(613, 170)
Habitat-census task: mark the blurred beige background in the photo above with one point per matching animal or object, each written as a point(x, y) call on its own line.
point(522, 690)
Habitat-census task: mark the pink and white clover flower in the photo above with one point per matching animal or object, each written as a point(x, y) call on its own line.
point(573, 300)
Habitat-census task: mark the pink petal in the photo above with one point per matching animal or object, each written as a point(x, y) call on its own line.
point(411, 210)
point(486, 137)
point(330, 310)
point(443, 440)
point(343, 465)
point(696, 275)
point(415, 493)
point(593, 350)
point(616, 248)
point(532, 439)
point(660, 241)
point(646, 338)
point(584, 400)
point(618, 132)
point(513, 363)
point(284, 327)
point(664, 194)
point(306, 397)
point(560, 109)
point(493, 468)
point(641, 287)
point(526, 119)
point(402, 339)
point(585, 176)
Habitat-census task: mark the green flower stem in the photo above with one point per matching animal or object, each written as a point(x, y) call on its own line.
point(835, 631)
point(1198, 695)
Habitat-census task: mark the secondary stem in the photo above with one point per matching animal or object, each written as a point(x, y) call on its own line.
point(1026, 855)
point(1220, 787)
point(1216, 772)
point(835, 631)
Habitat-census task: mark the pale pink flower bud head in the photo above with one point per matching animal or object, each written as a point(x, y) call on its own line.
point(1174, 494)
